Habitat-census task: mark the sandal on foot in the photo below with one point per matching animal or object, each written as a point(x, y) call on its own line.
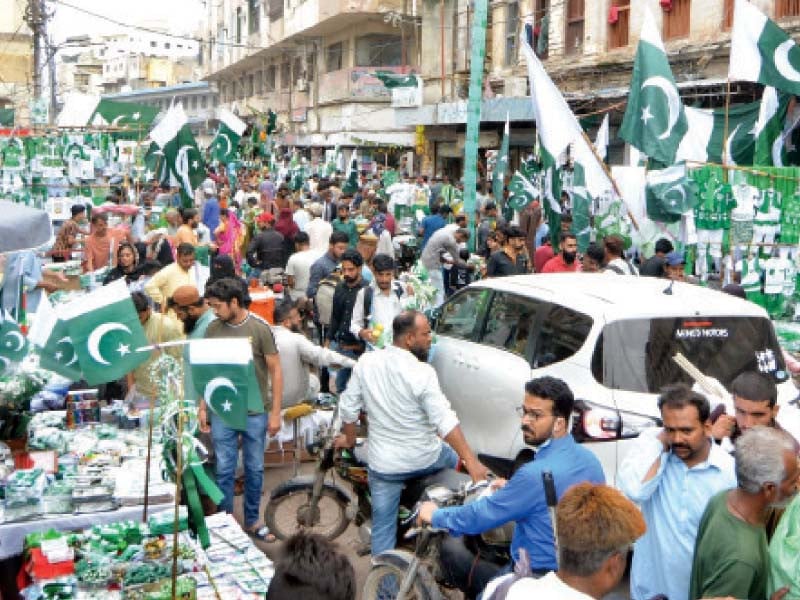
point(262, 534)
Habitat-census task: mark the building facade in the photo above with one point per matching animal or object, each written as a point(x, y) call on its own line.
point(16, 60)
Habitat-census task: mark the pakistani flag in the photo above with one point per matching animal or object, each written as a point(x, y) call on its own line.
point(223, 372)
point(601, 141)
point(772, 129)
point(105, 331)
point(654, 120)
point(225, 145)
point(351, 184)
point(122, 115)
point(524, 186)
point(499, 175)
point(50, 336)
point(670, 193)
point(761, 51)
point(181, 153)
point(396, 80)
point(13, 345)
point(581, 208)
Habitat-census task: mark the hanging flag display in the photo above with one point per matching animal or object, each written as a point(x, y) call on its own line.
point(225, 146)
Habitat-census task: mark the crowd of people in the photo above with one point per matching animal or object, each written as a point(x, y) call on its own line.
point(706, 494)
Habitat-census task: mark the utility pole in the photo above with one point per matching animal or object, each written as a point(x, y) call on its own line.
point(36, 18)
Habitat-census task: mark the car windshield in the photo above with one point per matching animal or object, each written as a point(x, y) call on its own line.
point(637, 354)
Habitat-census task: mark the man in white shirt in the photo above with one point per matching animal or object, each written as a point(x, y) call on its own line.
point(300, 215)
point(378, 304)
point(409, 416)
point(597, 526)
point(298, 353)
point(318, 230)
point(298, 268)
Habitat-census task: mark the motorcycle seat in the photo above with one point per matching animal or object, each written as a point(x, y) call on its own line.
point(449, 478)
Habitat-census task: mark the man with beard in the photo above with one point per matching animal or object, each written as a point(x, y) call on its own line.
point(195, 314)
point(298, 353)
point(344, 299)
point(545, 414)
point(512, 259)
point(163, 284)
point(565, 261)
point(731, 556)
point(672, 473)
point(378, 303)
point(409, 416)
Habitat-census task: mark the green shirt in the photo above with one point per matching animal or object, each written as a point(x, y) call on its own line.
point(260, 334)
point(730, 556)
point(348, 228)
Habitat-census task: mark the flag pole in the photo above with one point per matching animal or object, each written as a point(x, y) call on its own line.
point(607, 171)
point(178, 477)
point(725, 134)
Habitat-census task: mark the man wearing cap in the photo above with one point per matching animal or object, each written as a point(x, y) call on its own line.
point(318, 230)
point(266, 250)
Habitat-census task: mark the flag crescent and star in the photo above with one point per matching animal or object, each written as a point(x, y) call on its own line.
point(96, 338)
point(673, 101)
point(215, 384)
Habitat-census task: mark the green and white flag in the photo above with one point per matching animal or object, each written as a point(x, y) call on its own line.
point(395, 80)
point(350, 185)
point(181, 153)
point(223, 372)
point(105, 331)
point(670, 193)
point(601, 141)
point(581, 208)
point(499, 174)
point(654, 120)
point(50, 337)
point(13, 345)
point(761, 51)
point(772, 129)
point(123, 115)
point(225, 146)
point(524, 186)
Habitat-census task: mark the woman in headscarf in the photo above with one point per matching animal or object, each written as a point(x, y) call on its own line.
point(286, 226)
point(127, 265)
point(221, 267)
point(228, 234)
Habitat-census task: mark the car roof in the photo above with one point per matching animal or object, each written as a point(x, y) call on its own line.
point(623, 296)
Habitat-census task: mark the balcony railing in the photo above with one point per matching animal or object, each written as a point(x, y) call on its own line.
point(358, 83)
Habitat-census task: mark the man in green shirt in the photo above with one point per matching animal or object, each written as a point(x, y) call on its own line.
point(229, 300)
point(345, 224)
point(730, 554)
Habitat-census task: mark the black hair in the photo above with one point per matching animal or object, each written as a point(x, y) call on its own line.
point(140, 301)
point(490, 206)
point(311, 568)
point(184, 249)
point(463, 254)
point(565, 235)
point(352, 256)
point(301, 237)
point(566, 218)
point(283, 309)
point(77, 209)
point(664, 246)
point(382, 262)
point(596, 252)
point(555, 390)
point(187, 214)
point(680, 395)
point(404, 323)
point(754, 387)
point(512, 231)
point(339, 237)
point(99, 217)
point(227, 289)
point(149, 267)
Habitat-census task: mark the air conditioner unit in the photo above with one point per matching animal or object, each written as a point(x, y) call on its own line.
point(301, 85)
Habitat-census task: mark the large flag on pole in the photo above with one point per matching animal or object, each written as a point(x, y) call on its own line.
point(761, 51)
point(105, 331)
point(123, 115)
point(654, 120)
point(499, 175)
point(50, 336)
point(181, 153)
point(224, 147)
point(222, 372)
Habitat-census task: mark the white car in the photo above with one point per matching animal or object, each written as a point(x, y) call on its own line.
point(611, 339)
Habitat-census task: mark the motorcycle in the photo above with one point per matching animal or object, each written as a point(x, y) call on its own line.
point(321, 505)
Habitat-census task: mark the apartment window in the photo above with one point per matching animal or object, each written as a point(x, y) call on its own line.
point(193, 103)
point(541, 23)
point(203, 101)
point(676, 19)
point(573, 39)
point(512, 31)
point(167, 45)
point(233, 91)
point(297, 69)
point(787, 8)
point(253, 16)
point(311, 66)
point(223, 92)
point(334, 57)
point(259, 82)
point(286, 75)
point(618, 23)
point(239, 19)
point(379, 50)
point(270, 83)
point(152, 44)
point(275, 10)
point(243, 88)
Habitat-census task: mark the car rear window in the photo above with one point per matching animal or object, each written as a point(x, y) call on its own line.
point(636, 354)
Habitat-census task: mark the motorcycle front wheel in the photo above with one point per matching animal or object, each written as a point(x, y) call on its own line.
point(292, 513)
point(383, 583)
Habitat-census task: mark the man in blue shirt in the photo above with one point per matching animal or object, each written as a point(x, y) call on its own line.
point(211, 213)
point(433, 223)
point(672, 473)
point(545, 414)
